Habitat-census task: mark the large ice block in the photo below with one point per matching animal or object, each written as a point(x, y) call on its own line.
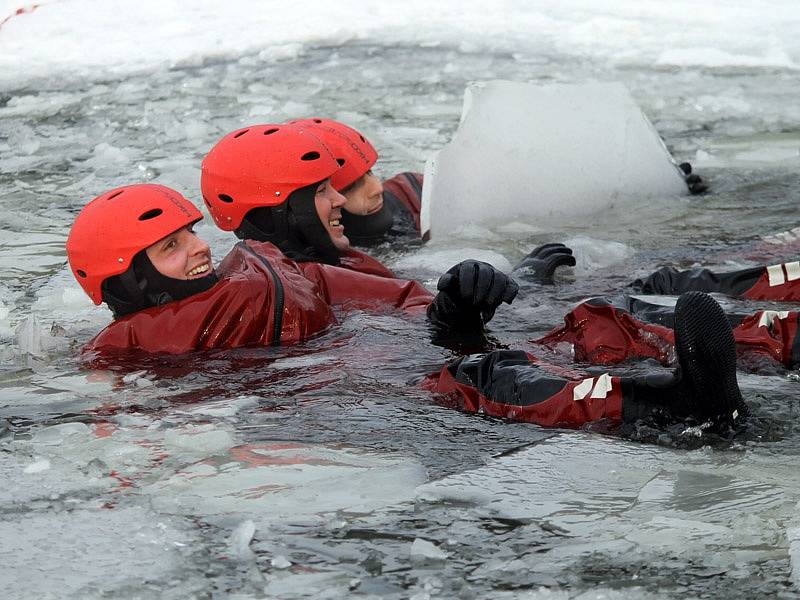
point(525, 151)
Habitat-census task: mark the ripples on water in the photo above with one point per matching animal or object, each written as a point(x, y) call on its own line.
point(160, 469)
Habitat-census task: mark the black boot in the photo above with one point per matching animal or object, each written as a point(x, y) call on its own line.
point(707, 356)
point(704, 387)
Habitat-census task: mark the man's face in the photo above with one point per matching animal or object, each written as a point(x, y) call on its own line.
point(365, 196)
point(328, 203)
point(181, 255)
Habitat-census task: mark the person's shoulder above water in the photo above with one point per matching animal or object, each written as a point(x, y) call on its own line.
point(356, 260)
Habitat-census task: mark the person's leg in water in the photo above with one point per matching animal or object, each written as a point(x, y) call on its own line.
point(606, 332)
point(703, 388)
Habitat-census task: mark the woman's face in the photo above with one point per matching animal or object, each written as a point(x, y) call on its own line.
point(365, 196)
point(181, 255)
point(328, 203)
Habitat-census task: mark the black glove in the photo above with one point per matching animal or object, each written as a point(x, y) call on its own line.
point(469, 293)
point(696, 184)
point(544, 260)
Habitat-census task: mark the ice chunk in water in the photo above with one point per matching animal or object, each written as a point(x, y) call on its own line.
point(64, 554)
point(278, 480)
point(544, 151)
point(39, 339)
point(40, 465)
point(592, 254)
point(633, 502)
point(105, 155)
point(281, 562)
point(239, 544)
point(57, 435)
point(432, 260)
point(202, 439)
point(423, 550)
point(29, 336)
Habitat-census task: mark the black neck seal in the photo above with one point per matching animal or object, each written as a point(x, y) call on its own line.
point(368, 230)
point(143, 286)
point(294, 227)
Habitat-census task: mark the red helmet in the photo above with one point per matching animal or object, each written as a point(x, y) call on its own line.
point(352, 150)
point(261, 165)
point(115, 226)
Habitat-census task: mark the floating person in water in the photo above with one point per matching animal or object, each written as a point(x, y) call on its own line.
point(374, 212)
point(703, 388)
point(517, 385)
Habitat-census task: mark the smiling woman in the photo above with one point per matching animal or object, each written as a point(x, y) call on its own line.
point(328, 203)
point(181, 255)
point(133, 248)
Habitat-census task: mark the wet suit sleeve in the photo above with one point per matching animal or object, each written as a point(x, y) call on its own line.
point(772, 282)
point(352, 289)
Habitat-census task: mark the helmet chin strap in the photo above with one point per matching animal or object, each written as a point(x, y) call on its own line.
point(294, 227)
point(143, 286)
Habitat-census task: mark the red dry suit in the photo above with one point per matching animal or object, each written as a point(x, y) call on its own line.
point(261, 299)
point(406, 189)
point(356, 260)
point(515, 385)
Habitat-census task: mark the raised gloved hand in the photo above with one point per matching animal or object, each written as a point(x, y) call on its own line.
point(696, 184)
point(545, 259)
point(469, 293)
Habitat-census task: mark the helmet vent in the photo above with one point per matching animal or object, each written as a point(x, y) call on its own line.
point(341, 161)
point(271, 131)
point(310, 156)
point(225, 198)
point(362, 139)
point(241, 133)
point(112, 196)
point(317, 120)
point(150, 214)
point(81, 273)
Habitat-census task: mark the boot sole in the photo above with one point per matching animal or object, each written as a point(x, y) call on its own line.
point(707, 356)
